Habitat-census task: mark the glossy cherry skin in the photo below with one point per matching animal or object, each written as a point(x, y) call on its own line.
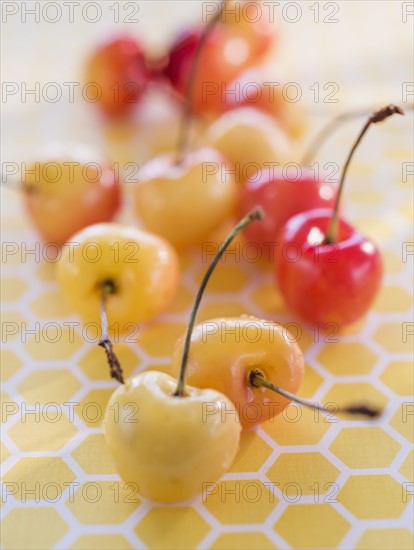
point(213, 70)
point(250, 141)
point(186, 202)
point(181, 52)
point(143, 269)
point(170, 447)
point(68, 189)
point(118, 69)
point(281, 198)
point(334, 283)
point(224, 351)
point(229, 49)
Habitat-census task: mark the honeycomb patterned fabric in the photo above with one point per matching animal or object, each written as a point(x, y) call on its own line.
point(302, 480)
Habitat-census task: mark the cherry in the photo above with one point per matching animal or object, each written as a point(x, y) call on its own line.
point(70, 187)
point(224, 350)
point(250, 140)
point(326, 270)
point(168, 449)
point(184, 203)
point(214, 70)
point(234, 44)
point(118, 69)
point(179, 58)
point(281, 198)
point(284, 192)
point(135, 272)
point(246, 359)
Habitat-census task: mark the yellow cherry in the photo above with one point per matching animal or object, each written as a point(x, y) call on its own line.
point(185, 202)
point(225, 351)
point(251, 140)
point(170, 446)
point(141, 270)
point(249, 360)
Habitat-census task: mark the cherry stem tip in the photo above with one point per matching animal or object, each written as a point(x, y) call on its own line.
point(257, 214)
point(256, 379)
point(385, 112)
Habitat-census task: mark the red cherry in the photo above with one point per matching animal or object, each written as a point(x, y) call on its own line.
point(180, 56)
point(281, 198)
point(234, 44)
point(326, 270)
point(214, 70)
point(283, 193)
point(326, 283)
point(118, 69)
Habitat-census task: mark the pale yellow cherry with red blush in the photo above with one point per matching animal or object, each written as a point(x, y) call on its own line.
point(70, 186)
point(185, 201)
point(224, 354)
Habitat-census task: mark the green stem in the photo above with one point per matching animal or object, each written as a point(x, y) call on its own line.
point(378, 116)
point(257, 380)
point(184, 128)
point(256, 214)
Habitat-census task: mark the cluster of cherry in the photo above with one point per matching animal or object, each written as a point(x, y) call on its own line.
point(187, 436)
point(229, 55)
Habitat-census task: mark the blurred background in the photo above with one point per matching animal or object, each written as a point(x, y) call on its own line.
point(363, 47)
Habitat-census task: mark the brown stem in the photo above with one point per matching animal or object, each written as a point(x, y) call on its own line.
point(256, 379)
point(184, 128)
point(378, 116)
point(107, 288)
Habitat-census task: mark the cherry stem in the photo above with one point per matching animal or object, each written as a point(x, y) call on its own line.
point(115, 368)
point(257, 380)
point(377, 116)
point(17, 185)
point(327, 130)
point(255, 214)
point(184, 128)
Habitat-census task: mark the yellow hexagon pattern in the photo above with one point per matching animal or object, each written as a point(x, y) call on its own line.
point(302, 480)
